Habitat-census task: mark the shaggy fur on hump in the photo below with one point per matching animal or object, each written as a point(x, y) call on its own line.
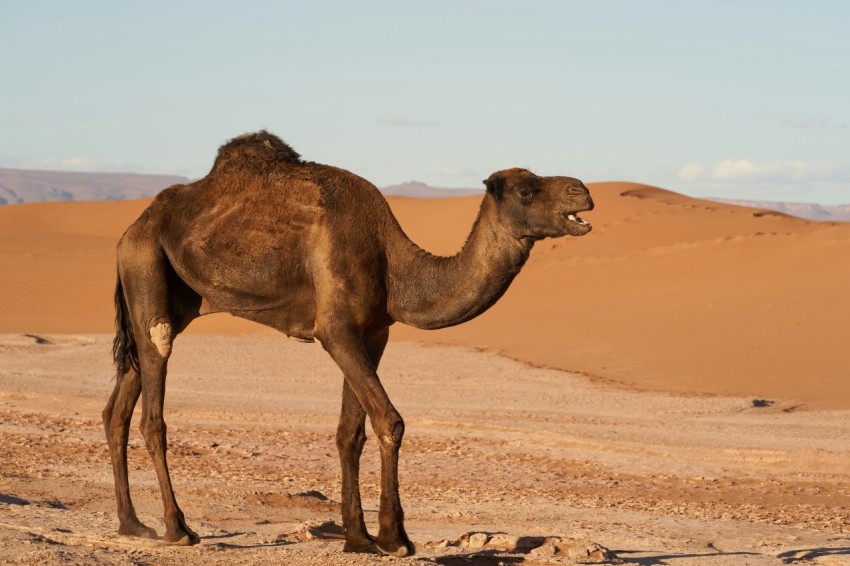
point(257, 151)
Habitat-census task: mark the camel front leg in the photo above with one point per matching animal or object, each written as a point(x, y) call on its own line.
point(350, 438)
point(348, 350)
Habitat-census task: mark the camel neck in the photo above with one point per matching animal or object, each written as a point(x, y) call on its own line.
point(429, 292)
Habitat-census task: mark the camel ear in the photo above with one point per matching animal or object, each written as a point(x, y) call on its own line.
point(495, 184)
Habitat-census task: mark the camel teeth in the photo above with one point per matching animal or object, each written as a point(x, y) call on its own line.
point(576, 219)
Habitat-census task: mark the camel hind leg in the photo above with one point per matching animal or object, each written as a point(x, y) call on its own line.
point(153, 360)
point(145, 275)
point(350, 438)
point(116, 421)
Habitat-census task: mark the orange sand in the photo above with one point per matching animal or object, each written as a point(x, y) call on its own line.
point(667, 293)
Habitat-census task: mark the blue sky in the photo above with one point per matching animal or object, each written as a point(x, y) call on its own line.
point(731, 99)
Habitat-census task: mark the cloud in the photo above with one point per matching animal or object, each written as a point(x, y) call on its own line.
point(90, 165)
point(453, 170)
point(392, 119)
point(79, 164)
point(74, 163)
point(690, 172)
point(812, 123)
point(779, 171)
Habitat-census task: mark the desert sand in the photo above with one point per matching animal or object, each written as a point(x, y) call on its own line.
point(492, 446)
point(671, 387)
point(667, 293)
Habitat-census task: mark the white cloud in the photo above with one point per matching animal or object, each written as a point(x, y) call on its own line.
point(812, 123)
point(690, 172)
point(59, 164)
point(89, 165)
point(393, 120)
point(778, 171)
point(453, 170)
point(79, 164)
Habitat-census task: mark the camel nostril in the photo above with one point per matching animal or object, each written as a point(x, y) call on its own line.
point(580, 190)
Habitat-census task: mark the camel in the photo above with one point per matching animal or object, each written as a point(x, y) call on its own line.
point(314, 252)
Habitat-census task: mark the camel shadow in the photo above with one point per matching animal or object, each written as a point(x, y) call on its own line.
point(12, 500)
point(491, 548)
point(232, 545)
point(793, 556)
point(661, 559)
point(225, 535)
point(481, 558)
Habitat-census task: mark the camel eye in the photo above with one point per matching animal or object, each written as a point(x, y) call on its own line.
point(527, 192)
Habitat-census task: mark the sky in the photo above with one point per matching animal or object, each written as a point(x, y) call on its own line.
point(723, 98)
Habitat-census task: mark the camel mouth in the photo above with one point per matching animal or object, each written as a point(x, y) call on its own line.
point(573, 217)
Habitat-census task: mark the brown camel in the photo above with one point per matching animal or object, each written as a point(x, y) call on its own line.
point(314, 252)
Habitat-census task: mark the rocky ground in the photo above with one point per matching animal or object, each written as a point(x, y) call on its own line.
point(501, 463)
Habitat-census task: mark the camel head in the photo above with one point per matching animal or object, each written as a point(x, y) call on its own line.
point(539, 207)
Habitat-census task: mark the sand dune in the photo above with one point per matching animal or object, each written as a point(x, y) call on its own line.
point(667, 293)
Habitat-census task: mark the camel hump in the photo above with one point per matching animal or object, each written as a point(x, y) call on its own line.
point(258, 151)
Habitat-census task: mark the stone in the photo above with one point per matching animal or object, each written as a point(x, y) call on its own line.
point(504, 541)
point(478, 540)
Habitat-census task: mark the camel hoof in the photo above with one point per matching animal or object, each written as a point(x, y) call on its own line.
point(398, 548)
point(185, 540)
point(182, 538)
point(137, 529)
point(362, 547)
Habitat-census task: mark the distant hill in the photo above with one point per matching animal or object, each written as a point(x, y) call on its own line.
point(812, 211)
point(421, 190)
point(23, 185)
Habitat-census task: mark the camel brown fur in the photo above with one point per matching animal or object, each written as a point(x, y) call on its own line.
point(315, 252)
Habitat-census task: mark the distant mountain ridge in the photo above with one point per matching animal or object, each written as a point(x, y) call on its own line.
point(421, 190)
point(24, 185)
point(812, 211)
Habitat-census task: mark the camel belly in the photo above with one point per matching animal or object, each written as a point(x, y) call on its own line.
point(265, 286)
point(293, 315)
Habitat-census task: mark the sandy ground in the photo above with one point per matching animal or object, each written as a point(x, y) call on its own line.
point(492, 446)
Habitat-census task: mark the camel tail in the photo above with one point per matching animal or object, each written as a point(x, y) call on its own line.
point(124, 351)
